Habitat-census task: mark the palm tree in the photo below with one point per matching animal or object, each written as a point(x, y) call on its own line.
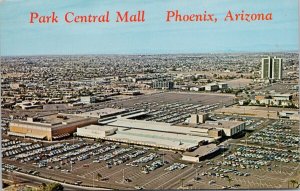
point(43, 186)
point(293, 182)
point(278, 144)
point(246, 137)
point(99, 176)
point(229, 180)
point(182, 182)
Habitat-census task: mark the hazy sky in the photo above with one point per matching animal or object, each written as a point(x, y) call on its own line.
point(154, 36)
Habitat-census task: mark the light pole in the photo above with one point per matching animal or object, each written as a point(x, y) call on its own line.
point(93, 179)
point(74, 137)
point(280, 159)
point(246, 139)
point(182, 179)
point(123, 176)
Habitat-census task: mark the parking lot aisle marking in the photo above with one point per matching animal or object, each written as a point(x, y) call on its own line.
point(191, 168)
point(162, 175)
point(121, 170)
point(81, 166)
point(135, 174)
point(90, 173)
point(216, 184)
point(266, 177)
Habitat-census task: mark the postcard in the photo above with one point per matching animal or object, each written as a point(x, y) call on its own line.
point(149, 94)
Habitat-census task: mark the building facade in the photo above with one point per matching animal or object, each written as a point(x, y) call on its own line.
point(163, 84)
point(50, 128)
point(271, 68)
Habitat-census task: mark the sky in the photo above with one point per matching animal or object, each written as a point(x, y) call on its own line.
point(154, 36)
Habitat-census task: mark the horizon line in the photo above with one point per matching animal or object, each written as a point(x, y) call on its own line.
point(151, 54)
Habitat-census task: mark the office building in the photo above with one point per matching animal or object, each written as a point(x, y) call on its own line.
point(271, 68)
point(277, 68)
point(163, 84)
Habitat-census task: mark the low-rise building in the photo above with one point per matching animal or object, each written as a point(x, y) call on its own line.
point(282, 97)
point(163, 84)
point(229, 128)
point(96, 131)
point(200, 153)
point(212, 87)
point(149, 133)
point(49, 127)
point(103, 113)
point(88, 99)
point(223, 86)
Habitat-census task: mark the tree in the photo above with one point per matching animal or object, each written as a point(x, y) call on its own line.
point(293, 182)
point(182, 180)
point(53, 187)
point(229, 180)
point(99, 176)
point(43, 186)
point(28, 189)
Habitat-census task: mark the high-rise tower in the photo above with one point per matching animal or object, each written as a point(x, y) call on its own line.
point(271, 68)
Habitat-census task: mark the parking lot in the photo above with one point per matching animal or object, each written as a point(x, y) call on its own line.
point(90, 163)
point(279, 133)
point(245, 167)
point(173, 113)
point(173, 108)
point(267, 157)
point(250, 165)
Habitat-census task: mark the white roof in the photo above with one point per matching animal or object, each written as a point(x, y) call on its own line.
point(282, 95)
point(98, 128)
point(102, 112)
point(162, 139)
point(202, 150)
point(158, 126)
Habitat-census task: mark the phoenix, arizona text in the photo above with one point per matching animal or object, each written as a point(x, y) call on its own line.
point(140, 16)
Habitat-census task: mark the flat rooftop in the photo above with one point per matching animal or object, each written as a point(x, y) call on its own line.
point(220, 124)
point(59, 118)
point(99, 128)
point(202, 150)
point(52, 121)
point(158, 126)
point(282, 95)
point(160, 139)
point(103, 112)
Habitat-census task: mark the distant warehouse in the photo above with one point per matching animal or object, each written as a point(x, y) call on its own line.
point(49, 127)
